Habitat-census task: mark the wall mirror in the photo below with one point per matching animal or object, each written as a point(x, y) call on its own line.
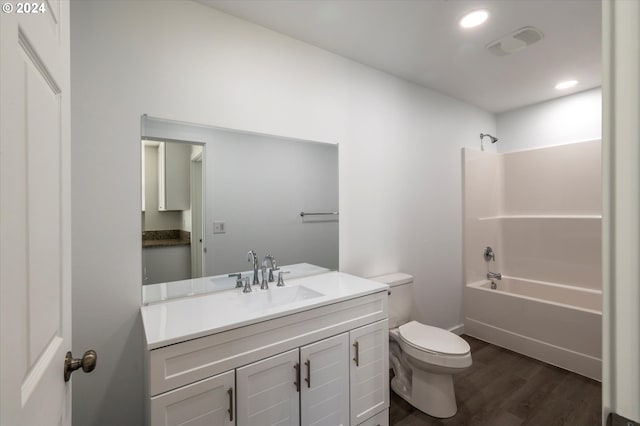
point(218, 193)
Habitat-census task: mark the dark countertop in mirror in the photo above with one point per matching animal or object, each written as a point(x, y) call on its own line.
point(166, 238)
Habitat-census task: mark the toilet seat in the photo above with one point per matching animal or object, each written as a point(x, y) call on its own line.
point(434, 345)
point(433, 339)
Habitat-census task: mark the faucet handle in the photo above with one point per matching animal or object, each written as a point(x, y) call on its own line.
point(489, 254)
point(280, 280)
point(238, 279)
point(247, 285)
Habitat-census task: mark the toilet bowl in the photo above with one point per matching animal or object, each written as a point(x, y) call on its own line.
point(423, 358)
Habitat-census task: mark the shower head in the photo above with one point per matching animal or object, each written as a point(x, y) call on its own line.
point(493, 138)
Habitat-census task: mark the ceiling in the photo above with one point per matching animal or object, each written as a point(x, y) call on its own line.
point(420, 41)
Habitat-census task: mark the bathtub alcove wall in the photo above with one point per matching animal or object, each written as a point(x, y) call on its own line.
point(540, 210)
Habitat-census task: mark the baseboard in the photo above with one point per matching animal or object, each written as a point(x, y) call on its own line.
point(457, 329)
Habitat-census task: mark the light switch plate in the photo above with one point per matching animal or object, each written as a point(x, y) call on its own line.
point(219, 227)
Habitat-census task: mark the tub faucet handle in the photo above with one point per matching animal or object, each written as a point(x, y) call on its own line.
point(489, 254)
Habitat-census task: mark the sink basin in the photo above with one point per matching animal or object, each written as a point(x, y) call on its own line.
point(277, 296)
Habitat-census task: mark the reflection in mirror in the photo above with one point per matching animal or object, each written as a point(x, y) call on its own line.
point(171, 210)
point(255, 187)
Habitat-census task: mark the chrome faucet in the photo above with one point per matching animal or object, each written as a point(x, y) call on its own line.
point(274, 266)
point(252, 256)
point(494, 275)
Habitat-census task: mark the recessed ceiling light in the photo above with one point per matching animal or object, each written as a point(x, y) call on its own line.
point(473, 19)
point(566, 84)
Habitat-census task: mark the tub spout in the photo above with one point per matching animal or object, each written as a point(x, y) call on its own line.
point(494, 275)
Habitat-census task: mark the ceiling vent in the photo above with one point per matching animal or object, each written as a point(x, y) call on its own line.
point(515, 42)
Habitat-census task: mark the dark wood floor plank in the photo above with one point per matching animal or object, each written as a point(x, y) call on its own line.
point(535, 391)
point(503, 388)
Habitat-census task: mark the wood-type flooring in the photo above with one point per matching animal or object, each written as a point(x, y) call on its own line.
point(503, 388)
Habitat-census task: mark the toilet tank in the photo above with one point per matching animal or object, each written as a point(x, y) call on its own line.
point(400, 298)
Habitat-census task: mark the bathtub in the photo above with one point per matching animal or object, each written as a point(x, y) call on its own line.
point(555, 323)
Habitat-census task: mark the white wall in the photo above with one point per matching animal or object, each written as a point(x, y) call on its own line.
point(258, 186)
point(400, 174)
point(572, 118)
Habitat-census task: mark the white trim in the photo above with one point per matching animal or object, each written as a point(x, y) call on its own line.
point(621, 209)
point(457, 329)
point(577, 362)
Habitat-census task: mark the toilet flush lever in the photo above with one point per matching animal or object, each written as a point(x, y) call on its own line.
point(489, 254)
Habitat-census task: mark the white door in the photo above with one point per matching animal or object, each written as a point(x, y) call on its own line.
point(369, 370)
point(621, 213)
point(35, 231)
point(268, 391)
point(209, 402)
point(324, 395)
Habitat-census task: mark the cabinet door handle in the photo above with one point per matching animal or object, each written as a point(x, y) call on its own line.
point(297, 379)
point(308, 379)
point(230, 410)
point(357, 357)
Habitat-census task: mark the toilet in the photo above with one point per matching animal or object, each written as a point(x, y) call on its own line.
point(423, 358)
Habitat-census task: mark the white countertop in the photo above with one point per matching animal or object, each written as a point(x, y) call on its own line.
point(183, 319)
point(161, 292)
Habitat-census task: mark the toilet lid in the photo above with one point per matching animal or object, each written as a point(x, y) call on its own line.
point(433, 339)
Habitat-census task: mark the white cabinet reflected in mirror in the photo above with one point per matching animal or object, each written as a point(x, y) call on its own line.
point(253, 189)
point(172, 204)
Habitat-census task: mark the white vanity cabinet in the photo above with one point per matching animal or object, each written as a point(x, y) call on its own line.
point(323, 365)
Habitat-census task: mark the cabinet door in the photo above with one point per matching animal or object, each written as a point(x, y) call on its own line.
point(324, 397)
point(267, 391)
point(369, 370)
point(209, 402)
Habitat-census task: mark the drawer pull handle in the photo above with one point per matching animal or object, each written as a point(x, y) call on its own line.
point(297, 379)
point(230, 410)
point(357, 357)
point(308, 379)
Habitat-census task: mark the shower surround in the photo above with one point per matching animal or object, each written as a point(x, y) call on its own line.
point(540, 210)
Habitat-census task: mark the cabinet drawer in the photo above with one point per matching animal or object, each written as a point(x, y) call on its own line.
point(380, 419)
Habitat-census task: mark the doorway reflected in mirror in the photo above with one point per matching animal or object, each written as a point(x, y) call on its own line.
point(172, 203)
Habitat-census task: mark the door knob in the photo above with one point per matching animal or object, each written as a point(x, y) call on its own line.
point(87, 363)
